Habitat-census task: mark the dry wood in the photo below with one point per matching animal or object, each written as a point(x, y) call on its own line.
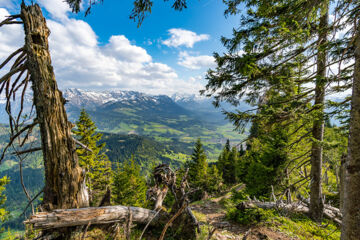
point(64, 187)
point(20, 50)
point(85, 231)
point(32, 200)
point(96, 215)
point(82, 145)
point(12, 72)
point(330, 212)
point(298, 207)
point(128, 224)
point(147, 225)
point(23, 184)
point(9, 19)
point(31, 150)
point(171, 221)
point(28, 127)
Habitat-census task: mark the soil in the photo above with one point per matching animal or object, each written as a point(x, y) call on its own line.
point(225, 229)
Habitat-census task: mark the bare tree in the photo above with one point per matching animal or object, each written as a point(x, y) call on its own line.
point(64, 186)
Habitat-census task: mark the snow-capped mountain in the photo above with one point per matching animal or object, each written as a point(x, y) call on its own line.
point(180, 97)
point(130, 102)
point(91, 99)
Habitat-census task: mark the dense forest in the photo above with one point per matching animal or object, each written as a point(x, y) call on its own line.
point(296, 174)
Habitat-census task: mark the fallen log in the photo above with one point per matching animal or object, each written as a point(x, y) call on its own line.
point(330, 212)
point(297, 207)
point(96, 215)
point(294, 207)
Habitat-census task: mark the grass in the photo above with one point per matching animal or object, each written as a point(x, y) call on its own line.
point(200, 216)
point(181, 157)
point(298, 225)
point(10, 234)
point(293, 225)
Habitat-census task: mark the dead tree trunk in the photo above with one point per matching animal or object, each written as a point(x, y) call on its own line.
point(351, 220)
point(96, 215)
point(316, 201)
point(182, 217)
point(63, 176)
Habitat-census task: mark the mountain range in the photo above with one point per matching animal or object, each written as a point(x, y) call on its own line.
point(152, 129)
point(176, 118)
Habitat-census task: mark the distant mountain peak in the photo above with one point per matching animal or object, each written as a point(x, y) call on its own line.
point(183, 97)
point(90, 98)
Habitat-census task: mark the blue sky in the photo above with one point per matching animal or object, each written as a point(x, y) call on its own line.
point(170, 52)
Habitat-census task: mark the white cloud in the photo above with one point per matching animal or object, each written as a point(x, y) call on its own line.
point(120, 47)
point(57, 8)
point(195, 62)
point(179, 37)
point(80, 61)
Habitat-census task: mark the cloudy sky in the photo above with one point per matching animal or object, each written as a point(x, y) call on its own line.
point(170, 52)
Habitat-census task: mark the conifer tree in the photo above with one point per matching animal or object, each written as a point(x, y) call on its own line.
point(129, 187)
point(224, 155)
point(197, 164)
point(227, 163)
point(3, 213)
point(95, 163)
point(214, 179)
point(281, 41)
point(231, 165)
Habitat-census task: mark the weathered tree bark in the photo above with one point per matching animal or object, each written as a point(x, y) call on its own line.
point(316, 201)
point(160, 193)
point(96, 215)
point(351, 220)
point(342, 182)
point(63, 175)
point(287, 182)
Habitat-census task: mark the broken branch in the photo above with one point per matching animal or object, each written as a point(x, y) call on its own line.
point(12, 72)
point(31, 150)
point(11, 56)
point(82, 145)
point(12, 138)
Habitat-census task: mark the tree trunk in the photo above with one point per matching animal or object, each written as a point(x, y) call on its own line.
point(161, 194)
point(342, 182)
point(288, 191)
point(95, 215)
point(351, 221)
point(316, 201)
point(63, 175)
